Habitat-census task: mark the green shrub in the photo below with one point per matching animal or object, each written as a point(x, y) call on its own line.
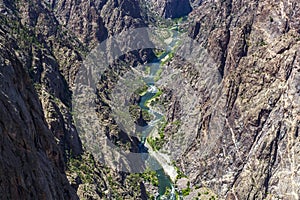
point(186, 191)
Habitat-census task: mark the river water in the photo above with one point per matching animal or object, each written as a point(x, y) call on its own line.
point(163, 179)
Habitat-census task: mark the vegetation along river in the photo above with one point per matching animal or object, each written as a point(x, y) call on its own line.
point(166, 189)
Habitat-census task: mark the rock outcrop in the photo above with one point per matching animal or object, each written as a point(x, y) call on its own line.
point(241, 133)
point(42, 46)
point(32, 165)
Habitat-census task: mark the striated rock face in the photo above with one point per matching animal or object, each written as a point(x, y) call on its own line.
point(42, 46)
point(31, 163)
point(196, 3)
point(242, 140)
point(171, 8)
point(93, 21)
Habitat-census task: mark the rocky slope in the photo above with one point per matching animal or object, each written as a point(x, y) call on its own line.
point(42, 45)
point(241, 128)
point(32, 165)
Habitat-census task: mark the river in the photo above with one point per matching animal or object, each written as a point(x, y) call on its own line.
point(163, 179)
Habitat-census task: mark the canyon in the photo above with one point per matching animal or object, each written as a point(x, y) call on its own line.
point(227, 95)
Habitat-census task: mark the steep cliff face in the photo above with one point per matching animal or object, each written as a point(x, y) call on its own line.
point(32, 166)
point(171, 8)
point(93, 21)
point(242, 139)
point(51, 56)
point(42, 46)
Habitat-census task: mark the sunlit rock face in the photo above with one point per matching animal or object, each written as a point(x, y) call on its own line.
point(242, 136)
